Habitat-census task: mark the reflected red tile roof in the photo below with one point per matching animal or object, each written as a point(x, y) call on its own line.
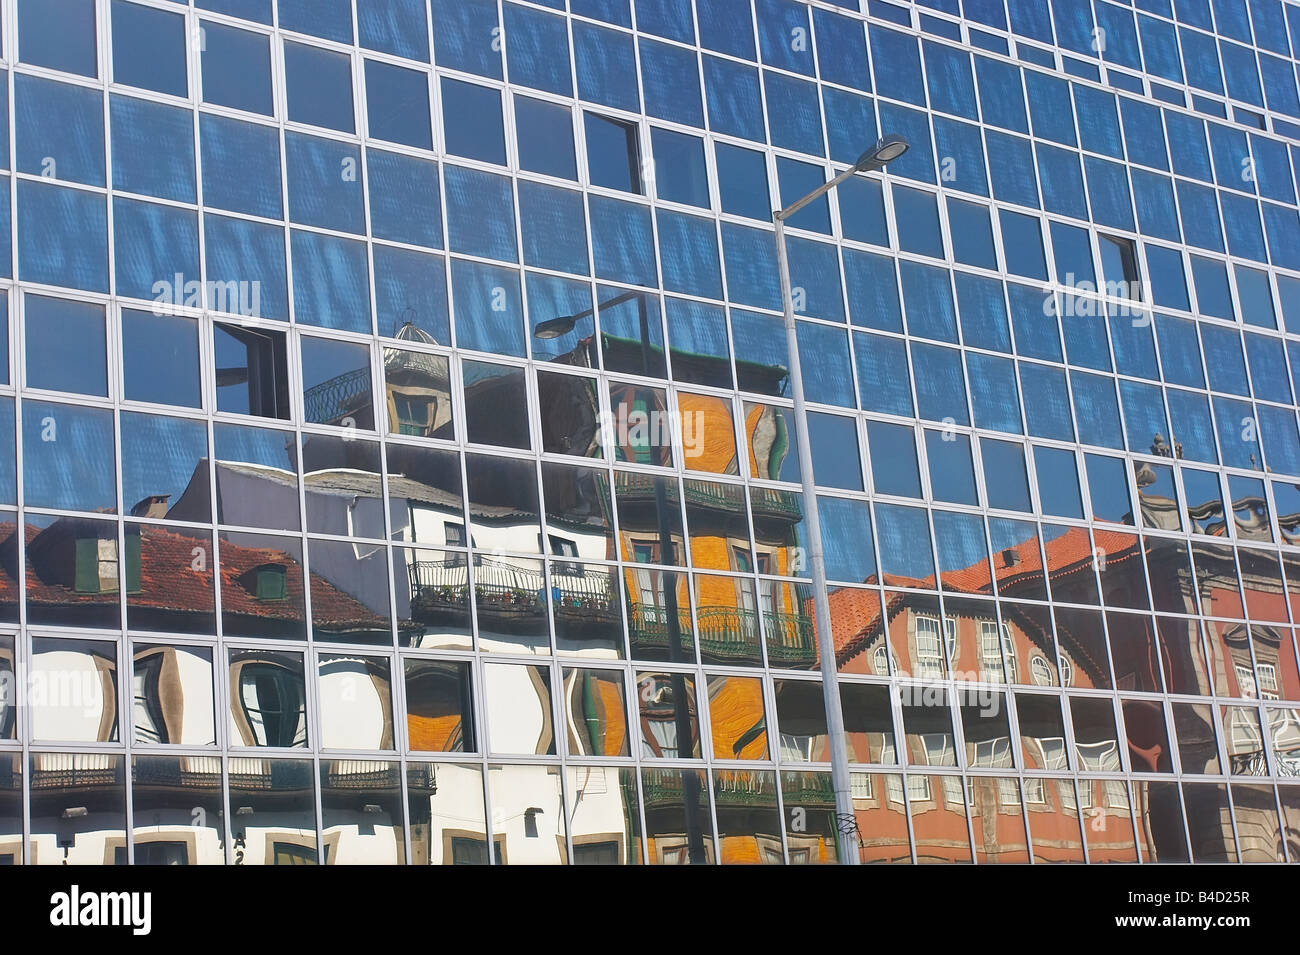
point(170, 583)
point(855, 614)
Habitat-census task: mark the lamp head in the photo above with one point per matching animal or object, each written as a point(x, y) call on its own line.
point(555, 327)
point(886, 150)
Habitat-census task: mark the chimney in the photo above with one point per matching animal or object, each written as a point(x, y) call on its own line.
point(1011, 557)
point(153, 506)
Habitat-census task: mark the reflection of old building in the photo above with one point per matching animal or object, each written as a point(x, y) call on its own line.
point(968, 636)
point(74, 576)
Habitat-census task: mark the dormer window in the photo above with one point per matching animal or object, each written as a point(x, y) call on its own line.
point(267, 582)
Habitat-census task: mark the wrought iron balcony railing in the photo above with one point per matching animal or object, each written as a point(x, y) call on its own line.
point(728, 631)
point(501, 584)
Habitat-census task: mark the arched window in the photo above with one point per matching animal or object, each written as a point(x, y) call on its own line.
point(273, 704)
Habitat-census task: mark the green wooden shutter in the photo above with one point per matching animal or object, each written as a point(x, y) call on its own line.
point(132, 570)
point(86, 580)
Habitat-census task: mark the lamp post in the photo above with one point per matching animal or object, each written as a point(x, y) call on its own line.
point(887, 149)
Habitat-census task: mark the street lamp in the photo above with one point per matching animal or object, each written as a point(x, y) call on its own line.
point(887, 149)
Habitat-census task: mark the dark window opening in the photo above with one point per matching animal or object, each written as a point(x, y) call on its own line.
point(563, 547)
point(1119, 268)
point(273, 704)
point(613, 154)
point(252, 371)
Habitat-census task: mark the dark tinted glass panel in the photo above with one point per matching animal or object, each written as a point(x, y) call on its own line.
point(496, 405)
point(236, 68)
point(952, 475)
point(160, 356)
point(318, 86)
point(834, 443)
point(65, 344)
point(893, 459)
point(472, 121)
point(742, 182)
point(149, 48)
point(397, 104)
point(59, 34)
point(1005, 479)
point(545, 136)
point(679, 170)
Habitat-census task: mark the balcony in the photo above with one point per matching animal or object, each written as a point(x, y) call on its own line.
point(505, 591)
point(729, 498)
point(729, 632)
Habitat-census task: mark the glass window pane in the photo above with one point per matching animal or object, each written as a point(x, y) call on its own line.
point(439, 707)
point(669, 724)
point(251, 371)
point(173, 695)
point(736, 718)
point(1053, 810)
point(496, 402)
point(679, 171)
point(93, 787)
point(472, 121)
point(375, 797)
point(164, 595)
point(59, 34)
point(236, 68)
point(834, 441)
point(267, 700)
point(397, 105)
point(177, 811)
point(952, 474)
point(273, 813)
point(356, 702)
point(88, 715)
point(65, 345)
point(742, 182)
point(867, 721)
point(893, 459)
point(1005, 478)
point(544, 132)
point(149, 48)
point(68, 457)
point(1198, 751)
point(262, 587)
point(349, 593)
point(160, 357)
point(336, 384)
point(164, 467)
point(318, 86)
point(678, 828)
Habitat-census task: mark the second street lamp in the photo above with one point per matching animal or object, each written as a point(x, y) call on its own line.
point(887, 149)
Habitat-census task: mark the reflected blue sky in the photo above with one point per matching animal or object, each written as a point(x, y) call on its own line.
point(68, 457)
point(904, 541)
point(960, 542)
point(846, 538)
